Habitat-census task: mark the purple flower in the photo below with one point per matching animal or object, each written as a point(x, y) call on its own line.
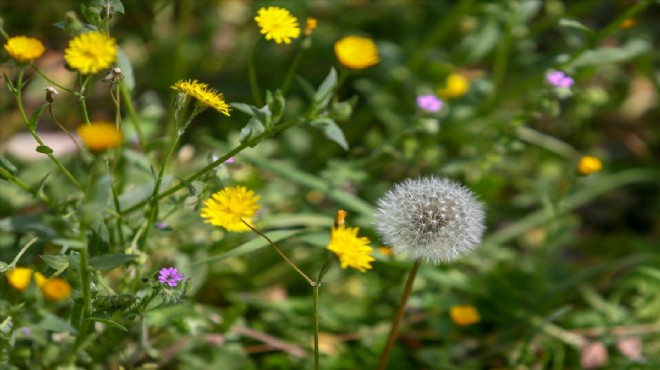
point(559, 79)
point(170, 276)
point(429, 103)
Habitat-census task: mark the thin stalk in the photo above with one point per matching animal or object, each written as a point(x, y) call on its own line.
point(23, 185)
point(292, 71)
point(254, 85)
point(398, 317)
point(81, 96)
point(279, 251)
point(36, 69)
point(83, 323)
point(130, 109)
point(52, 116)
point(215, 163)
point(315, 298)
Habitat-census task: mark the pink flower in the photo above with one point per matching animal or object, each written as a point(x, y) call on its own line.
point(429, 103)
point(170, 276)
point(559, 79)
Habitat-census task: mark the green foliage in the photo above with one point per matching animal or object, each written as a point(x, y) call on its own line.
point(568, 260)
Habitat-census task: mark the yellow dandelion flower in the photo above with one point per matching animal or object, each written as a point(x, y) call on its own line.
point(357, 52)
point(100, 136)
point(589, 165)
point(56, 289)
point(352, 251)
point(91, 52)
point(464, 315)
point(24, 49)
point(455, 87)
point(277, 24)
point(20, 277)
point(231, 206)
point(310, 25)
point(205, 95)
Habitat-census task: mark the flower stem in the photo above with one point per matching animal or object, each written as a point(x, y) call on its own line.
point(292, 72)
point(315, 298)
point(130, 109)
point(21, 184)
point(83, 323)
point(398, 317)
point(279, 251)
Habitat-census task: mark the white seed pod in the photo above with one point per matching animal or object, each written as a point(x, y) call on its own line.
point(432, 219)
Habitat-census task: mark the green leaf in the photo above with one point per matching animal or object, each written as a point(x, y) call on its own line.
point(253, 128)
point(189, 185)
point(110, 261)
point(56, 262)
point(573, 24)
point(10, 85)
point(307, 87)
point(251, 246)
point(54, 323)
point(42, 183)
point(32, 124)
point(331, 131)
point(341, 111)
point(7, 165)
point(324, 92)
point(275, 102)
point(609, 55)
point(480, 42)
point(108, 322)
point(44, 149)
point(69, 243)
point(95, 202)
point(126, 69)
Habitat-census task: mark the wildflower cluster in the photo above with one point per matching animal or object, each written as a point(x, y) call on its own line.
point(53, 289)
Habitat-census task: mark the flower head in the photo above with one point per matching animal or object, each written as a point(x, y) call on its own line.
point(20, 277)
point(428, 218)
point(170, 276)
point(24, 49)
point(456, 86)
point(277, 24)
point(429, 103)
point(91, 52)
point(464, 315)
point(559, 79)
point(205, 95)
point(100, 136)
point(56, 289)
point(357, 52)
point(230, 207)
point(352, 251)
point(589, 165)
point(310, 25)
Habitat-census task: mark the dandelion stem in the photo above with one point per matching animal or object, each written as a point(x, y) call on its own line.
point(279, 251)
point(394, 330)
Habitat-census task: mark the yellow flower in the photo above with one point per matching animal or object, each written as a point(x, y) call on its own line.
point(231, 206)
point(464, 315)
point(24, 49)
point(20, 277)
point(352, 251)
point(56, 289)
point(589, 165)
point(277, 24)
point(100, 136)
point(310, 26)
point(356, 52)
point(455, 87)
point(91, 52)
point(628, 23)
point(204, 95)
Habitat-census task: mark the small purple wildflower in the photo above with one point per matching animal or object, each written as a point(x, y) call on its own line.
point(429, 103)
point(170, 276)
point(229, 160)
point(559, 79)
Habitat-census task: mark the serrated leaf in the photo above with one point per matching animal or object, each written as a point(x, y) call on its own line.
point(252, 129)
point(45, 149)
point(110, 261)
point(32, 124)
point(331, 131)
point(324, 92)
point(108, 322)
point(56, 262)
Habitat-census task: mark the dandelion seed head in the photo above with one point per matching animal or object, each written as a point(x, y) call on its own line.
point(432, 219)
